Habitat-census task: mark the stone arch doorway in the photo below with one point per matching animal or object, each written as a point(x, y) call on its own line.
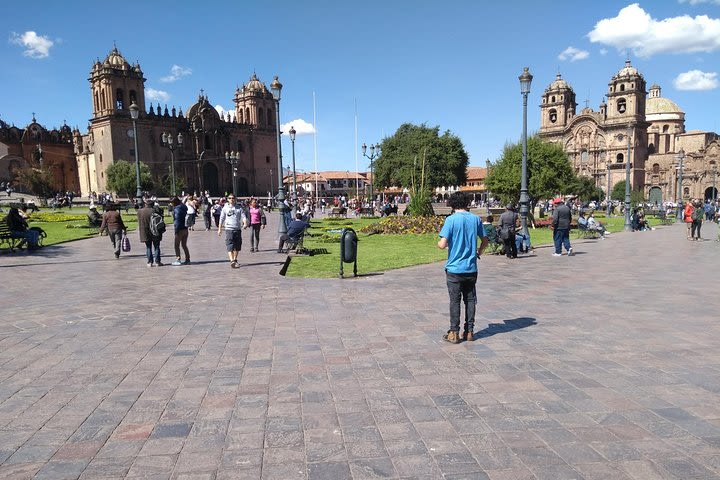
point(655, 196)
point(711, 193)
point(210, 178)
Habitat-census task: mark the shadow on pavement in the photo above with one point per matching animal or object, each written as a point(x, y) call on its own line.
point(506, 326)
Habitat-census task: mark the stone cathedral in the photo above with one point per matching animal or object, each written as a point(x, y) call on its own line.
point(654, 127)
point(201, 161)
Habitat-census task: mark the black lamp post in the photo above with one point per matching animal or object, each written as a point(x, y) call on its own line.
point(233, 159)
point(292, 133)
point(680, 157)
point(628, 221)
point(134, 114)
point(609, 196)
point(169, 143)
point(276, 88)
point(525, 81)
point(372, 157)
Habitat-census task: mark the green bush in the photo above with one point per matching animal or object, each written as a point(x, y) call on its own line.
point(420, 205)
point(406, 224)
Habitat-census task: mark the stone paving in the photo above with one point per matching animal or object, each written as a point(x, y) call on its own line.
point(604, 365)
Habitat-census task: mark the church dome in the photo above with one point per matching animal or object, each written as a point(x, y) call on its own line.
point(202, 108)
point(558, 83)
point(255, 85)
point(628, 70)
point(661, 105)
point(115, 59)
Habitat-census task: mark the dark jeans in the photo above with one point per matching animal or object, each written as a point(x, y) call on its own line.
point(695, 229)
point(206, 217)
point(561, 237)
point(462, 286)
point(510, 247)
point(284, 238)
point(152, 250)
point(255, 235)
point(181, 238)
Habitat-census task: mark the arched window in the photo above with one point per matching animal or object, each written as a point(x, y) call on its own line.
point(622, 87)
point(651, 149)
point(584, 156)
point(247, 115)
point(666, 128)
point(119, 101)
point(553, 115)
point(621, 105)
point(620, 158)
point(553, 99)
point(102, 99)
point(133, 97)
point(240, 116)
point(97, 105)
point(656, 168)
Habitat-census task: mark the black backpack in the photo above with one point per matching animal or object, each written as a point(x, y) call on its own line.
point(157, 224)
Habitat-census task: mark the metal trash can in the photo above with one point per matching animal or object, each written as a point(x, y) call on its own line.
point(348, 249)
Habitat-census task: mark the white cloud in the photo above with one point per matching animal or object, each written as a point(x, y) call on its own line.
point(698, 2)
point(36, 46)
point(696, 80)
point(176, 73)
point(223, 113)
point(634, 29)
point(573, 54)
point(157, 95)
point(301, 127)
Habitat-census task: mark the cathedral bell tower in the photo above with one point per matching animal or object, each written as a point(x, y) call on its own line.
point(558, 106)
point(626, 97)
point(115, 84)
point(255, 105)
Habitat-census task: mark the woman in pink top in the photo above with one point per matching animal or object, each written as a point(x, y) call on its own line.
point(257, 221)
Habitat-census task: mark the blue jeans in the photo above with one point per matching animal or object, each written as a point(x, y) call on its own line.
point(521, 244)
point(462, 286)
point(561, 237)
point(31, 236)
point(150, 245)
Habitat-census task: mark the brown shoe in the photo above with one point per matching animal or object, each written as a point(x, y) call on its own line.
point(452, 337)
point(468, 336)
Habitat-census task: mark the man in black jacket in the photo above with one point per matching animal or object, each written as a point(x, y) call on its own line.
point(562, 216)
point(295, 231)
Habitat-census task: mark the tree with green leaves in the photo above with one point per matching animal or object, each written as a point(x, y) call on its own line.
point(121, 178)
point(445, 157)
point(38, 181)
point(549, 171)
point(618, 193)
point(585, 189)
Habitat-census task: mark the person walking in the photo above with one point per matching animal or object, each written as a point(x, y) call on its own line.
point(180, 212)
point(233, 218)
point(562, 217)
point(697, 218)
point(151, 241)
point(257, 221)
point(112, 222)
point(508, 224)
point(459, 235)
point(687, 216)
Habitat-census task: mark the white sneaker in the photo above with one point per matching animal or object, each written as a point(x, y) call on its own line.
point(557, 254)
point(570, 252)
point(176, 263)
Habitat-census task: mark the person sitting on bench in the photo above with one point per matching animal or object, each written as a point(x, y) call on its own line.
point(94, 218)
point(295, 231)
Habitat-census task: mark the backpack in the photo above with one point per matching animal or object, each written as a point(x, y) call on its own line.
point(696, 214)
point(157, 224)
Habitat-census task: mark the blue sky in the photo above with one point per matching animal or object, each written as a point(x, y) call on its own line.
point(454, 64)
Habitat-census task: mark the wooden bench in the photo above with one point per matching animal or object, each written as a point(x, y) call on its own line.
point(295, 244)
point(367, 212)
point(6, 238)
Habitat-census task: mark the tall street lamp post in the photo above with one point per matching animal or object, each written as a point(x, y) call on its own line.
point(680, 157)
point(373, 155)
point(292, 133)
point(169, 143)
point(609, 196)
point(628, 223)
point(276, 88)
point(233, 159)
point(525, 81)
point(134, 114)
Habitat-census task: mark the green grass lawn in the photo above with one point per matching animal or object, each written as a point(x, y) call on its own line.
point(377, 253)
point(67, 225)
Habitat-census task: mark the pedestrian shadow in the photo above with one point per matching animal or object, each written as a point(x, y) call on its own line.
point(505, 327)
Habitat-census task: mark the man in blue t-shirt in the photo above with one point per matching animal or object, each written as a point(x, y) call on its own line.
point(459, 235)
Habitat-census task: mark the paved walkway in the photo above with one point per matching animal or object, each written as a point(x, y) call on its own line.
point(605, 365)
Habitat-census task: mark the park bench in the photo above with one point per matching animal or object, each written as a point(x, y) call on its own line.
point(6, 239)
point(584, 232)
point(295, 244)
point(338, 212)
point(367, 212)
point(662, 216)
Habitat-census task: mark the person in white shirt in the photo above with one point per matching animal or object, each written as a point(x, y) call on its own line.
point(593, 224)
point(233, 218)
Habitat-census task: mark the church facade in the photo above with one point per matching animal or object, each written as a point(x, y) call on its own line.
point(201, 161)
point(645, 129)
